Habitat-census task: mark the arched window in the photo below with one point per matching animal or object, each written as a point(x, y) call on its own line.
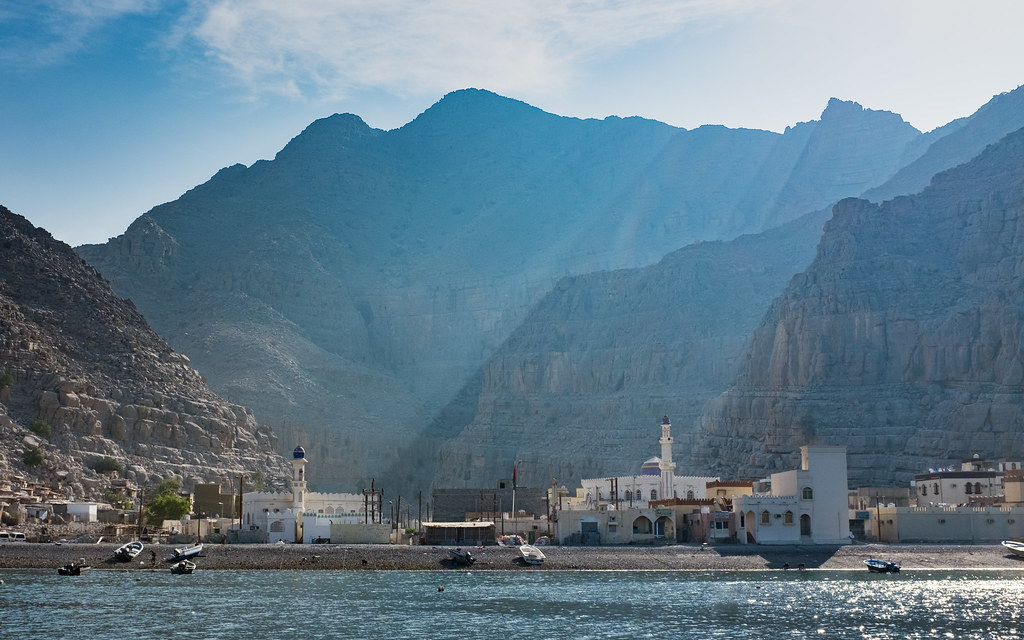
point(924, 489)
point(689, 494)
point(967, 488)
point(629, 495)
point(766, 517)
point(935, 488)
point(654, 494)
point(789, 517)
point(808, 493)
point(977, 487)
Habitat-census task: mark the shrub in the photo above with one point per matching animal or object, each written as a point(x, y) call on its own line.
point(105, 464)
point(118, 500)
point(41, 428)
point(33, 456)
point(6, 380)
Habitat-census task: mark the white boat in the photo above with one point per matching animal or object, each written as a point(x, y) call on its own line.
point(531, 554)
point(185, 553)
point(183, 566)
point(1014, 547)
point(127, 552)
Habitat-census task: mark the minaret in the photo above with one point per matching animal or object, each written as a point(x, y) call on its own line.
point(298, 481)
point(666, 465)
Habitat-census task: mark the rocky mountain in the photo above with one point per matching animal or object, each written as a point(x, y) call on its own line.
point(576, 422)
point(569, 390)
point(348, 289)
point(83, 377)
point(902, 340)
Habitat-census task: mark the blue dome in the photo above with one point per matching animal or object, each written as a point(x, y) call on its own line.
point(651, 468)
point(299, 453)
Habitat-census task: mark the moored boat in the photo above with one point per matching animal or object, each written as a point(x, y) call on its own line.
point(531, 554)
point(128, 552)
point(186, 553)
point(182, 567)
point(1014, 547)
point(461, 557)
point(882, 566)
point(74, 568)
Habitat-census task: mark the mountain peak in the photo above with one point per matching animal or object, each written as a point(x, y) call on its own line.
point(325, 136)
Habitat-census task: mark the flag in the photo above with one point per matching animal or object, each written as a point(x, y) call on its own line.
point(514, 475)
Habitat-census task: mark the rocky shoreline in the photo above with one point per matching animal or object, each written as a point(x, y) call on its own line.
point(683, 557)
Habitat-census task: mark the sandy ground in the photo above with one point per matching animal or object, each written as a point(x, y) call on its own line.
point(392, 557)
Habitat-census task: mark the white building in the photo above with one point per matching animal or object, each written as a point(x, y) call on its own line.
point(977, 480)
point(656, 481)
point(809, 505)
point(300, 516)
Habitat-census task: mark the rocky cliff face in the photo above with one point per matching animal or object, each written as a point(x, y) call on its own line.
point(901, 341)
point(568, 391)
point(348, 289)
point(85, 362)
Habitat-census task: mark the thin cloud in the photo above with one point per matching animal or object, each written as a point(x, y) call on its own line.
point(323, 48)
point(47, 32)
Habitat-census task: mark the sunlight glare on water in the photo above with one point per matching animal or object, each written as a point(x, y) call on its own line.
point(513, 604)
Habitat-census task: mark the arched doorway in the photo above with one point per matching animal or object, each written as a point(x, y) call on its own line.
point(663, 528)
point(805, 525)
point(642, 525)
point(750, 524)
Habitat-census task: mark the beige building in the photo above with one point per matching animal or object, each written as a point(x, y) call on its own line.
point(809, 505)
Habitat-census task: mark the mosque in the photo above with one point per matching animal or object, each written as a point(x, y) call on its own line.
point(656, 481)
point(302, 515)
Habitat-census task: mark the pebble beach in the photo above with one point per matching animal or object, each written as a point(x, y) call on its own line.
point(681, 557)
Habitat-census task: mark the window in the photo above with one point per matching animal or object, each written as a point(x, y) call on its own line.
point(654, 494)
point(789, 517)
point(977, 487)
point(629, 495)
point(689, 494)
point(935, 488)
point(967, 488)
point(924, 489)
point(808, 493)
point(766, 518)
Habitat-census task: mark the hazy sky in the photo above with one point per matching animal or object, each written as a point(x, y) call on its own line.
point(110, 107)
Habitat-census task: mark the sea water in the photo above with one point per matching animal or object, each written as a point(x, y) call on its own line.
point(511, 604)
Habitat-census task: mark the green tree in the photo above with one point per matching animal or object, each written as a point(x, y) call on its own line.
point(6, 380)
point(33, 456)
point(106, 463)
point(165, 503)
point(41, 428)
point(116, 499)
point(166, 506)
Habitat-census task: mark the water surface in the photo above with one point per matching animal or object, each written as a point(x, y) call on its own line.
point(511, 604)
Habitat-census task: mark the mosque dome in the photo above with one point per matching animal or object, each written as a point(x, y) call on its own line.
point(299, 453)
point(651, 468)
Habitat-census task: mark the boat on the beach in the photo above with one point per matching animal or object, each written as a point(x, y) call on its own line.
point(1014, 547)
point(74, 568)
point(882, 566)
point(182, 567)
point(186, 553)
point(461, 557)
point(531, 554)
point(128, 552)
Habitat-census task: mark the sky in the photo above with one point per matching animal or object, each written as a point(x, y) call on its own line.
point(111, 107)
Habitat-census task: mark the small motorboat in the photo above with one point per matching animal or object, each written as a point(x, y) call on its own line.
point(461, 557)
point(882, 566)
point(182, 567)
point(1014, 547)
point(531, 554)
point(187, 553)
point(74, 568)
point(128, 552)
